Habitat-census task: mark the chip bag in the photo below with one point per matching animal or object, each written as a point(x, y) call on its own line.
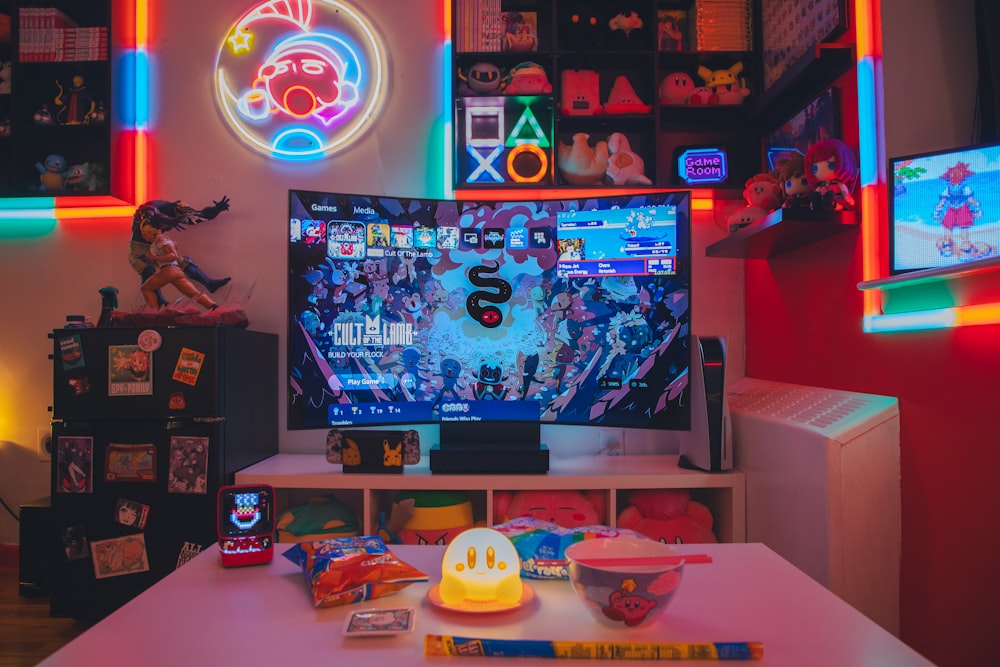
point(346, 570)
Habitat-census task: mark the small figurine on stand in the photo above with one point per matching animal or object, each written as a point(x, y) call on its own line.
point(76, 104)
point(165, 257)
point(791, 173)
point(832, 171)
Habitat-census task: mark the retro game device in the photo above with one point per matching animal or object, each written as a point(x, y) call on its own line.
point(246, 524)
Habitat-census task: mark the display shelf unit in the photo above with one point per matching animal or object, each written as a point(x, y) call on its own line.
point(296, 476)
point(57, 113)
point(782, 231)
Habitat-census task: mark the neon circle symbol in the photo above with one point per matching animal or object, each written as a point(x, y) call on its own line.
point(301, 79)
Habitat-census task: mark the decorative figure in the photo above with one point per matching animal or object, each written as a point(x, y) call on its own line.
point(480, 79)
point(75, 105)
point(625, 167)
point(53, 173)
point(832, 171)
point(795, 185)
point(167, 215)
point(164, 256)
point(725, 84)
point(581, 164)
point(676, 88)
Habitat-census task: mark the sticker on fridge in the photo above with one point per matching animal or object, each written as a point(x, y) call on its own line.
point(71, 353)
point(131, 513)
point(119, 555)
point(74, 464)
point(130, 371)
point(130, 463)
point(188, 471)
point(188, 367)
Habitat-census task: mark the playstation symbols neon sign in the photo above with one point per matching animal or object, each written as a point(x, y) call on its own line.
point(301, 79)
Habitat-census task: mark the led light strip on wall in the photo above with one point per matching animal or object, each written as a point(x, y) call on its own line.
point(130, 23)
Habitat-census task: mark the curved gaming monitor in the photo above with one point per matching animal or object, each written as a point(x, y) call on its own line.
point(569, 311)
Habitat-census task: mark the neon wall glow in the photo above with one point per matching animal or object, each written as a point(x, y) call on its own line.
point(130, 112)
point(302, 80)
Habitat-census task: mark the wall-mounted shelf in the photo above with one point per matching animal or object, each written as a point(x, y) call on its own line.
point(782, 231)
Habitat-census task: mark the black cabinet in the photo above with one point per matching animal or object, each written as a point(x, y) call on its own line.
point(148, 424)
point(55, 110)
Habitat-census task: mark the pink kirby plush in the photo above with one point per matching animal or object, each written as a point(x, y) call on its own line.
point(668, 515)
point(676, 88)
point(569, 509)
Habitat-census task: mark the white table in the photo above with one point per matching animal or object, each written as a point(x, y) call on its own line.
point(204, 614)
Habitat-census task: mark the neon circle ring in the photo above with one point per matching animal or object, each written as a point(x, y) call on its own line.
point(301, 79)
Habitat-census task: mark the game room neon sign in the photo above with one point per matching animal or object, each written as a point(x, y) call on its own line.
point(301, 79)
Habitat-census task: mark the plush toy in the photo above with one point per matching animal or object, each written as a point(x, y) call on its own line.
point(566, 508)
point(581, 92)
point(676, 88)
point(832, 171)
point(320, 518)
point(581, 164)
point(796, 190)
point(623, 99)
point(668, 515)
point(426, 517)
point(763, 190)
point(480, 79)
point(527, 78)
point(702, 96)
point(744, 216)
point(625, 167)
point(725, 83)
point(625, 22)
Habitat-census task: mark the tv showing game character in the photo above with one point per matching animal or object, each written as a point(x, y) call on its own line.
point(945, 208)
point(567, 311)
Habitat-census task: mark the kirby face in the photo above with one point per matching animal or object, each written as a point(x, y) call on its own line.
point(480, 564)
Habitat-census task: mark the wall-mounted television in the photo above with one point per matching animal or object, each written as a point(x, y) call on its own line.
point(565, 311)
point(945, 208)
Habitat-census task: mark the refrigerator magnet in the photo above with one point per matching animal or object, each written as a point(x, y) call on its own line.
point(188, 367)
point(74, 464)
point(149, 340)
point(131, 513)
point(130, 463)
point(188, 471)
point(130, 371)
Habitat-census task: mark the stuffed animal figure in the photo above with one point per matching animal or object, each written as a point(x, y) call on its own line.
point(763, 190)
point(320, 518)
point(791, 174)
point(747, 215)
point(725, 83)
point(623, 99)
point(480, 79)
point(702, 96)
point(668, 515)
point(832, 171)
point(566, 508)
point(426, 517)
point(625, 167)
point(581, 92)
point(581, 164)
point(676, 88)
point(528, 78)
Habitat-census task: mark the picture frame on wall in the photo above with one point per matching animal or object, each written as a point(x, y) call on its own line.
point(791, 29)
point(819, 119)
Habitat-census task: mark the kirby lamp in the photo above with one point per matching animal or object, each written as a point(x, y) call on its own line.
point(481, 565)
point(246, 525)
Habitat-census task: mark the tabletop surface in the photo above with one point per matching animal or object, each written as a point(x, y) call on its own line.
point(204, 614)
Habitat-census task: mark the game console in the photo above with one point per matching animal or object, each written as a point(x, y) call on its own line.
point(710, 445)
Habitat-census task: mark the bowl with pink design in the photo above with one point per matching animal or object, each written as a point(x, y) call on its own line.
point(625, 582)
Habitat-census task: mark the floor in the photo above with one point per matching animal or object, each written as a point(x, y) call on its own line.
point(28, 634)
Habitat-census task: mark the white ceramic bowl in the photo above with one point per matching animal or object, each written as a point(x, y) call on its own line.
point(620, 595)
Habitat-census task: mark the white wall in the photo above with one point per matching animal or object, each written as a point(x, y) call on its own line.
point(56, 270)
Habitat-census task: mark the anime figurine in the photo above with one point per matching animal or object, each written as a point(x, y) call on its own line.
point(791, 173)
point(52, 173)
point(75, 104)
point(832, 171)
point(166, 215)
point(957, 208)
point(164, 256)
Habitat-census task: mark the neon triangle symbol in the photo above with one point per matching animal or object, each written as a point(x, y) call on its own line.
point(528, 119)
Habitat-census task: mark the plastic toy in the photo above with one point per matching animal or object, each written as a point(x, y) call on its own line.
point(623, 99)
point(796, 190)
point(170, 215)
point(725, 83)
point(86, 177)
point(426, 517)
point(481, 565)
point(581, 92)
point(165, 257)
point(676, 88)
point(320, 518)
point(580, 163)
point(480, 79)
point(625, 167)
point(763, 190)
point(75, 102)
point(527, 78)
point(43, 116)
point(566, 508)
point(832, 171)
point(668, 515)
point(53, 173)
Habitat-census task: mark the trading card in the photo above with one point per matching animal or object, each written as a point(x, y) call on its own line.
point(119, 555)
point(379, 622)
point(130, 463)
point(188, 471)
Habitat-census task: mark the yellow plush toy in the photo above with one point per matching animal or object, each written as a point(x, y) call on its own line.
point(725, 83)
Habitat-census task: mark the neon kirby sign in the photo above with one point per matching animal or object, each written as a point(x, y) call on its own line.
point(301, 79)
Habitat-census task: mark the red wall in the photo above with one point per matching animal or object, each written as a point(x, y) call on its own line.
point(803, 325)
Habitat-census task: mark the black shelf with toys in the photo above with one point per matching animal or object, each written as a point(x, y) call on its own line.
point(57, 113)
point(646, 81)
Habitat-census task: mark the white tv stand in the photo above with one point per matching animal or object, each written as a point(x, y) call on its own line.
point(296, 477)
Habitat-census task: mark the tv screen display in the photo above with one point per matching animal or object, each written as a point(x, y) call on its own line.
point(945, 208)
point(566, 311)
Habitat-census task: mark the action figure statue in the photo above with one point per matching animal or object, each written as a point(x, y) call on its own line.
point(165, 216)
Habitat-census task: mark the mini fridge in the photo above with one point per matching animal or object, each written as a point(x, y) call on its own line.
point(822, 478)
point(147, 425)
